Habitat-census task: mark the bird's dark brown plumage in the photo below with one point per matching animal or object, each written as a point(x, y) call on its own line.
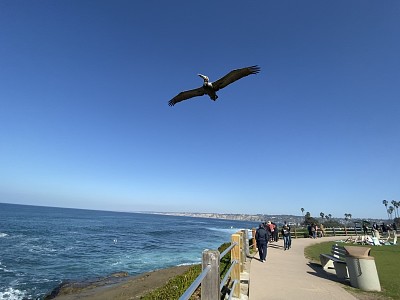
point(215, 86)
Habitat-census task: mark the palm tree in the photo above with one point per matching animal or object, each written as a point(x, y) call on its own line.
point(390, 211)
point(307, 218)
point(330, 216)
point(385, 202)
point(396, 206)
point(302, 211)
point(322, 215)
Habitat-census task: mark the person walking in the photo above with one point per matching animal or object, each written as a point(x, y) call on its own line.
point(287, 239)
point(275, 236)
point(322, 228)
point(262, 242)
point(271, 230)
point(314, 230)
point(365, 228)
point(309, 226)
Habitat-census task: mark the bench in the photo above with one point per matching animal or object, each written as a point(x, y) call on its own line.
point(336, 259)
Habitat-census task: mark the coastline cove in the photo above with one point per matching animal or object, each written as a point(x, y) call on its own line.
point(45, 247)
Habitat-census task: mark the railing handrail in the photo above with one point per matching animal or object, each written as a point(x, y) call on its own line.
point(227, 250)
point(233, 287)
point(225, 279)
point(195, 284)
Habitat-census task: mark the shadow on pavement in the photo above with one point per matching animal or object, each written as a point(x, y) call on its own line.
point(272, 245)
point(320, 272)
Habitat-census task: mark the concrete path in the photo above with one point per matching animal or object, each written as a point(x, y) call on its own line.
point(289, 275)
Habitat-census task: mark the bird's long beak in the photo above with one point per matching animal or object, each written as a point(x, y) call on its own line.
point(203, 76)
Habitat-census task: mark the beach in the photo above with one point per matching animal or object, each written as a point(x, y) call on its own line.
point(127, 288)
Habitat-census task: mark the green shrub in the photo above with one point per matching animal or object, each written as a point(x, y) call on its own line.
point(175, 287)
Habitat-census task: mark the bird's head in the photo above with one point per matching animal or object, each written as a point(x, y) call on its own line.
point(205, 78)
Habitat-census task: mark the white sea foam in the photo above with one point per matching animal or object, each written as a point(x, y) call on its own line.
point(42, 249)
point(227, 230)
point(12, 294)
point(3, 268)
point(188, 264)
point(3, 234)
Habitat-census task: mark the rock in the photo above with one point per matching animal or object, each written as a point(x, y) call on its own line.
point(73, 287)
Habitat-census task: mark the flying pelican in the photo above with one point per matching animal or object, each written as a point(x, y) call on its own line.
point(210, 88)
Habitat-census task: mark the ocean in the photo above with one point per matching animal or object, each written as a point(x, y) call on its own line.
point(40, 247)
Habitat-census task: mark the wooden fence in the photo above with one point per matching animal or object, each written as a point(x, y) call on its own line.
point(334, 231)
point(210, 278)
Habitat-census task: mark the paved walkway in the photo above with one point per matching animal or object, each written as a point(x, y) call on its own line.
point(289, 275)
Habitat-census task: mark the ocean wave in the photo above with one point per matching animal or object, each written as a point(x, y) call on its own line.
point(12, 294)
point(116, 263)
point(3, 234)
point(228, 230)
point(42, 249)
point(188, 264)
point(3, 268)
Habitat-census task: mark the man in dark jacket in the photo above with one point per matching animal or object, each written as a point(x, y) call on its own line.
point(262, 240)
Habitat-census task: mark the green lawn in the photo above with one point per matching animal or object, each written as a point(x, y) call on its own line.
point(387, 259)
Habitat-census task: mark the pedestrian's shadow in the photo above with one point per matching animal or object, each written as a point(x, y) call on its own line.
point(320, 272)
point(272, 245)
point(253, 256)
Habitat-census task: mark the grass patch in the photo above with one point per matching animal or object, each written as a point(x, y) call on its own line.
point(179, 284)
point(176, 286)
point(387, 260)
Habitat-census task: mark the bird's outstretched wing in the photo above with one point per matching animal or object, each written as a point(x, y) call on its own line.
point(186, 95)
point(233, 76)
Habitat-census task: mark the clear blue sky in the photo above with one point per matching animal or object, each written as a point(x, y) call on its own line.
point(84, 120)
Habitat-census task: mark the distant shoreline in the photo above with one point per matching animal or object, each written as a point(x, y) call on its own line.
point(223, 216)
point(257, 218)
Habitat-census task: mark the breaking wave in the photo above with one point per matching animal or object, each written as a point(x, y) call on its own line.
point(12, 294)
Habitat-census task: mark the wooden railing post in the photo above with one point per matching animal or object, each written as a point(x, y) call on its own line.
point(246, 243)
point(253, 235)
point(242, 253)
point(210, 284)
point(235, 255)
